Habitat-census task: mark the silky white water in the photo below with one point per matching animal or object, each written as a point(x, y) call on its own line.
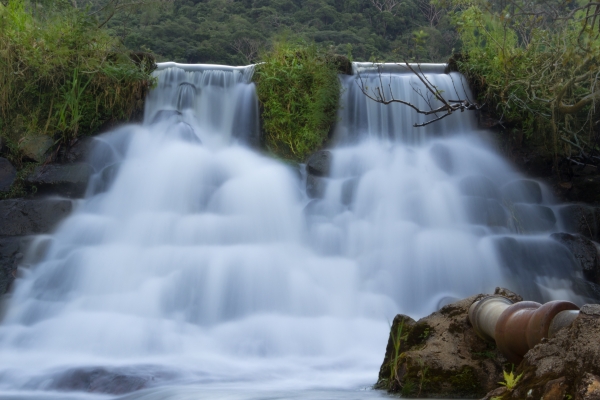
point(198, 263)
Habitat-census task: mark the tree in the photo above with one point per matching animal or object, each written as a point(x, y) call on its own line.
point(248, 48)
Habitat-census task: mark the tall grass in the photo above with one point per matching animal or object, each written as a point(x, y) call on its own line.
point(62, 76)
point(298, 90)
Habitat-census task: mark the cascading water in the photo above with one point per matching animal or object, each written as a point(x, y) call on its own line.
point(197, 263)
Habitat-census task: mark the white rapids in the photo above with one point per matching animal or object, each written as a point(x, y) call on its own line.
point(195, 261)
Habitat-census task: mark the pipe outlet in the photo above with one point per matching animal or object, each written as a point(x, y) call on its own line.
point(518, 327)
point(484, 314)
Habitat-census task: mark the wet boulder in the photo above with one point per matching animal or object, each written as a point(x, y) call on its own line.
point(484, 211)
point(440, 356)
point(523, 191)
point(8, 174)
point(78, 152)
point(319, 163)
point(349, 188)
point(585, 252)
point(113, 381)
point(11, 253)
point(315, 187)
point(532, 218)
point(478, 186)
point(442, 158)
point(581, 219)
point(68, 180)
point(29, 217)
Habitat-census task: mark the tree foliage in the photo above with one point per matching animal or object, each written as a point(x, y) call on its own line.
point(538, 64)
point(227, 31)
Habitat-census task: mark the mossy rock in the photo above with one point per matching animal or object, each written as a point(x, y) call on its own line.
point(440, 356)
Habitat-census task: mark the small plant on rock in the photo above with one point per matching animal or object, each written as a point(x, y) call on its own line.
point(510, 380)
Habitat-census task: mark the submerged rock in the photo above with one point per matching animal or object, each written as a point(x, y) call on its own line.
point(440, 356)
point(315, 187)
point(478, 186)
point(319, 163)
point(113, 381)
point(523, 191)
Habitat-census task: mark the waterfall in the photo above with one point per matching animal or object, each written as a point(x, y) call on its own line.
point(195, 260)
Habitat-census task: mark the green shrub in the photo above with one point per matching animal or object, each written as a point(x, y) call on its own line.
point(62, 76)
point(298, 90)
point(539, 73)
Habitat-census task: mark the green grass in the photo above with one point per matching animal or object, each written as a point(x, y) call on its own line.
point(298, 90)
point(62, 76)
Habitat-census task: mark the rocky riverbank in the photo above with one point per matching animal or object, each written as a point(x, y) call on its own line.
point(53, 187)
point(441, 356)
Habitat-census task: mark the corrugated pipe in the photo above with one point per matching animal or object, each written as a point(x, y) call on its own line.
point(517, 327)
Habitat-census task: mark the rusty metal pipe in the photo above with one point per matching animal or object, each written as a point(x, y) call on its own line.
point(518, 327)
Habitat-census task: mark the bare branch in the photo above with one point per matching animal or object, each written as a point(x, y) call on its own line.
point(448, 107)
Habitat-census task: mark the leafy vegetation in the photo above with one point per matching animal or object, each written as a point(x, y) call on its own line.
point(510, 380)
point(61, 76)
point(298, 90)
point(537, 65)
point(235, 31)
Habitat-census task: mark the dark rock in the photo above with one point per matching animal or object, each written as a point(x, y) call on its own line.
point(585, 188)
point(581, 219)
point(315, 187)
point(8, 173)
point(185, 132)
point(101, 380)
point(323, 208)
point(349, 190)
point(164, 115)
point(103, 181)
point(68, 180)
point(28, 217)
point(35, 147)
point(440, 356)
point(484, 211)
point(10, 249)
point(78, 152)
point(531, 218)
point(442, 157)
point(584, 251)
point(523, 191)
point(319, 163)
point(478, 186)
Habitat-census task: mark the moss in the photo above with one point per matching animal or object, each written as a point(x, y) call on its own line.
point(452, 311)
point(455, 328)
